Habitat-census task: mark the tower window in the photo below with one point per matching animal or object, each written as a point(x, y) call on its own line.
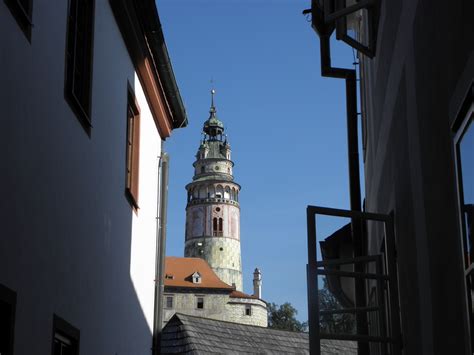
point(248, 310)
point(220, 225)
point(202, 169)
point(200, 303)
point(214, 224)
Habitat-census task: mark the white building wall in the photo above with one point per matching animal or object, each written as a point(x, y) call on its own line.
point(217, 306)
point(71, 244)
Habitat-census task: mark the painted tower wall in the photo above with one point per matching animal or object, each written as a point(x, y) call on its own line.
point(213, 212)
point(220, 249)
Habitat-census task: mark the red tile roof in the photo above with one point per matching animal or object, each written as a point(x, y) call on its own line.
point(178, 273)
point(238, 294)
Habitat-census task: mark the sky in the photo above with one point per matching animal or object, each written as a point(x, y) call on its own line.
point(285, 123)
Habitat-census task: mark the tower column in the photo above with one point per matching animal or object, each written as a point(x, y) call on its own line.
point(213, 210)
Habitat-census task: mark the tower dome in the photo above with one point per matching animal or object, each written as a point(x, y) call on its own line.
point(213, 210)
point(213, 127)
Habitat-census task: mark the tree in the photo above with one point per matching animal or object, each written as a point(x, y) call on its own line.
point(284, 318)
point(342, 323)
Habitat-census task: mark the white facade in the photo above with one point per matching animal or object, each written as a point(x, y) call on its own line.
point(72, 245)
point(219, 306)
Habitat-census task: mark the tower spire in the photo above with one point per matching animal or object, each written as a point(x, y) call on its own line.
point(213, 92)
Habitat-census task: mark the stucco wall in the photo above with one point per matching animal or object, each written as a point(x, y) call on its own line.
point(235, 311)
point(412, 91)
point(217, 306)
point(71, 244)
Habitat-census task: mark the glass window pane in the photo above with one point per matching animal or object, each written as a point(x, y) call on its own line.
point(466, 158)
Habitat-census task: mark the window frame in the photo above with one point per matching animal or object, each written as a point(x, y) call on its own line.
point(167, 297)
point(82, 107)
point(197, 302)
point(22, 16)
point(132, 149)
point(248, 310)
point(63, 329)
point(463, 122)
point(8, 297)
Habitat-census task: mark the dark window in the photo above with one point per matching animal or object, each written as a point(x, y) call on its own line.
point(22, 10)
point(78, 85)
point(65, 338)
point(220, 225)
point(169, 301)
point(202, 169)
point(214, 225)
point(248, 310)
point(133, 149)
point(7, 320)
point(200, 303)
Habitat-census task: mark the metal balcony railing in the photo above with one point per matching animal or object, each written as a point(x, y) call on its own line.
point(380, 317)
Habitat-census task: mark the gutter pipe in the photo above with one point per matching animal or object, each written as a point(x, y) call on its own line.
point(162, 205)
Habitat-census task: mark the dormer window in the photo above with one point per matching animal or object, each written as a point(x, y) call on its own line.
point(196, 277)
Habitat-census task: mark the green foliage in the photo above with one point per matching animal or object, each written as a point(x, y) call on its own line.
point(284, 318)
point(334, 323)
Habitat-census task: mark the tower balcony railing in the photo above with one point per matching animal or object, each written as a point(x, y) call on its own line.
point(197, 201)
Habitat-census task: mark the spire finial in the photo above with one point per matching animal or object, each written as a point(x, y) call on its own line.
point(213, 92)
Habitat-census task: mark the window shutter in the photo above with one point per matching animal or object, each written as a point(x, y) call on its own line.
point(135, 158)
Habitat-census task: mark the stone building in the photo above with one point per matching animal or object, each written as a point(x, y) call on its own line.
point(192, 287)
point(212, 241)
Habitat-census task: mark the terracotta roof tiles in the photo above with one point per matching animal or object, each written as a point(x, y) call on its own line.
point(178, 273)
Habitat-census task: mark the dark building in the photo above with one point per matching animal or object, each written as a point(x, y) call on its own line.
point(416, 71)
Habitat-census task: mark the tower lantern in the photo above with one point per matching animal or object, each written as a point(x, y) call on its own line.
point(213, 210)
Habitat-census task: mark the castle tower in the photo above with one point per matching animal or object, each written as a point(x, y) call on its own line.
point(213, 211)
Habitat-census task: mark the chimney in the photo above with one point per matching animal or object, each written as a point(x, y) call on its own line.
point(257, 283)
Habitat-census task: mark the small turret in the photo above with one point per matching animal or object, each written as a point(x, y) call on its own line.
point(257, 283)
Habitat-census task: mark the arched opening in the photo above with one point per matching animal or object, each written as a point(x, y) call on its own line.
point(227, 193)
point(212, 191)
point(219, 191)
point(202, 192)
point(220, 225)
point(214, 226)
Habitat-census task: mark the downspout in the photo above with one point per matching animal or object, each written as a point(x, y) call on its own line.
point(162, 204)
point(350, 77)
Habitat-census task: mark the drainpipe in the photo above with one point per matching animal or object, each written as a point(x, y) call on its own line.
point(358, 241)
point(162, 204)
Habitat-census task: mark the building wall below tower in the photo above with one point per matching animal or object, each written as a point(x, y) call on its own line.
point(217, 306)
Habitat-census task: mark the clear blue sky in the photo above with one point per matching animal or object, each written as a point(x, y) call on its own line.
point(286, 126)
